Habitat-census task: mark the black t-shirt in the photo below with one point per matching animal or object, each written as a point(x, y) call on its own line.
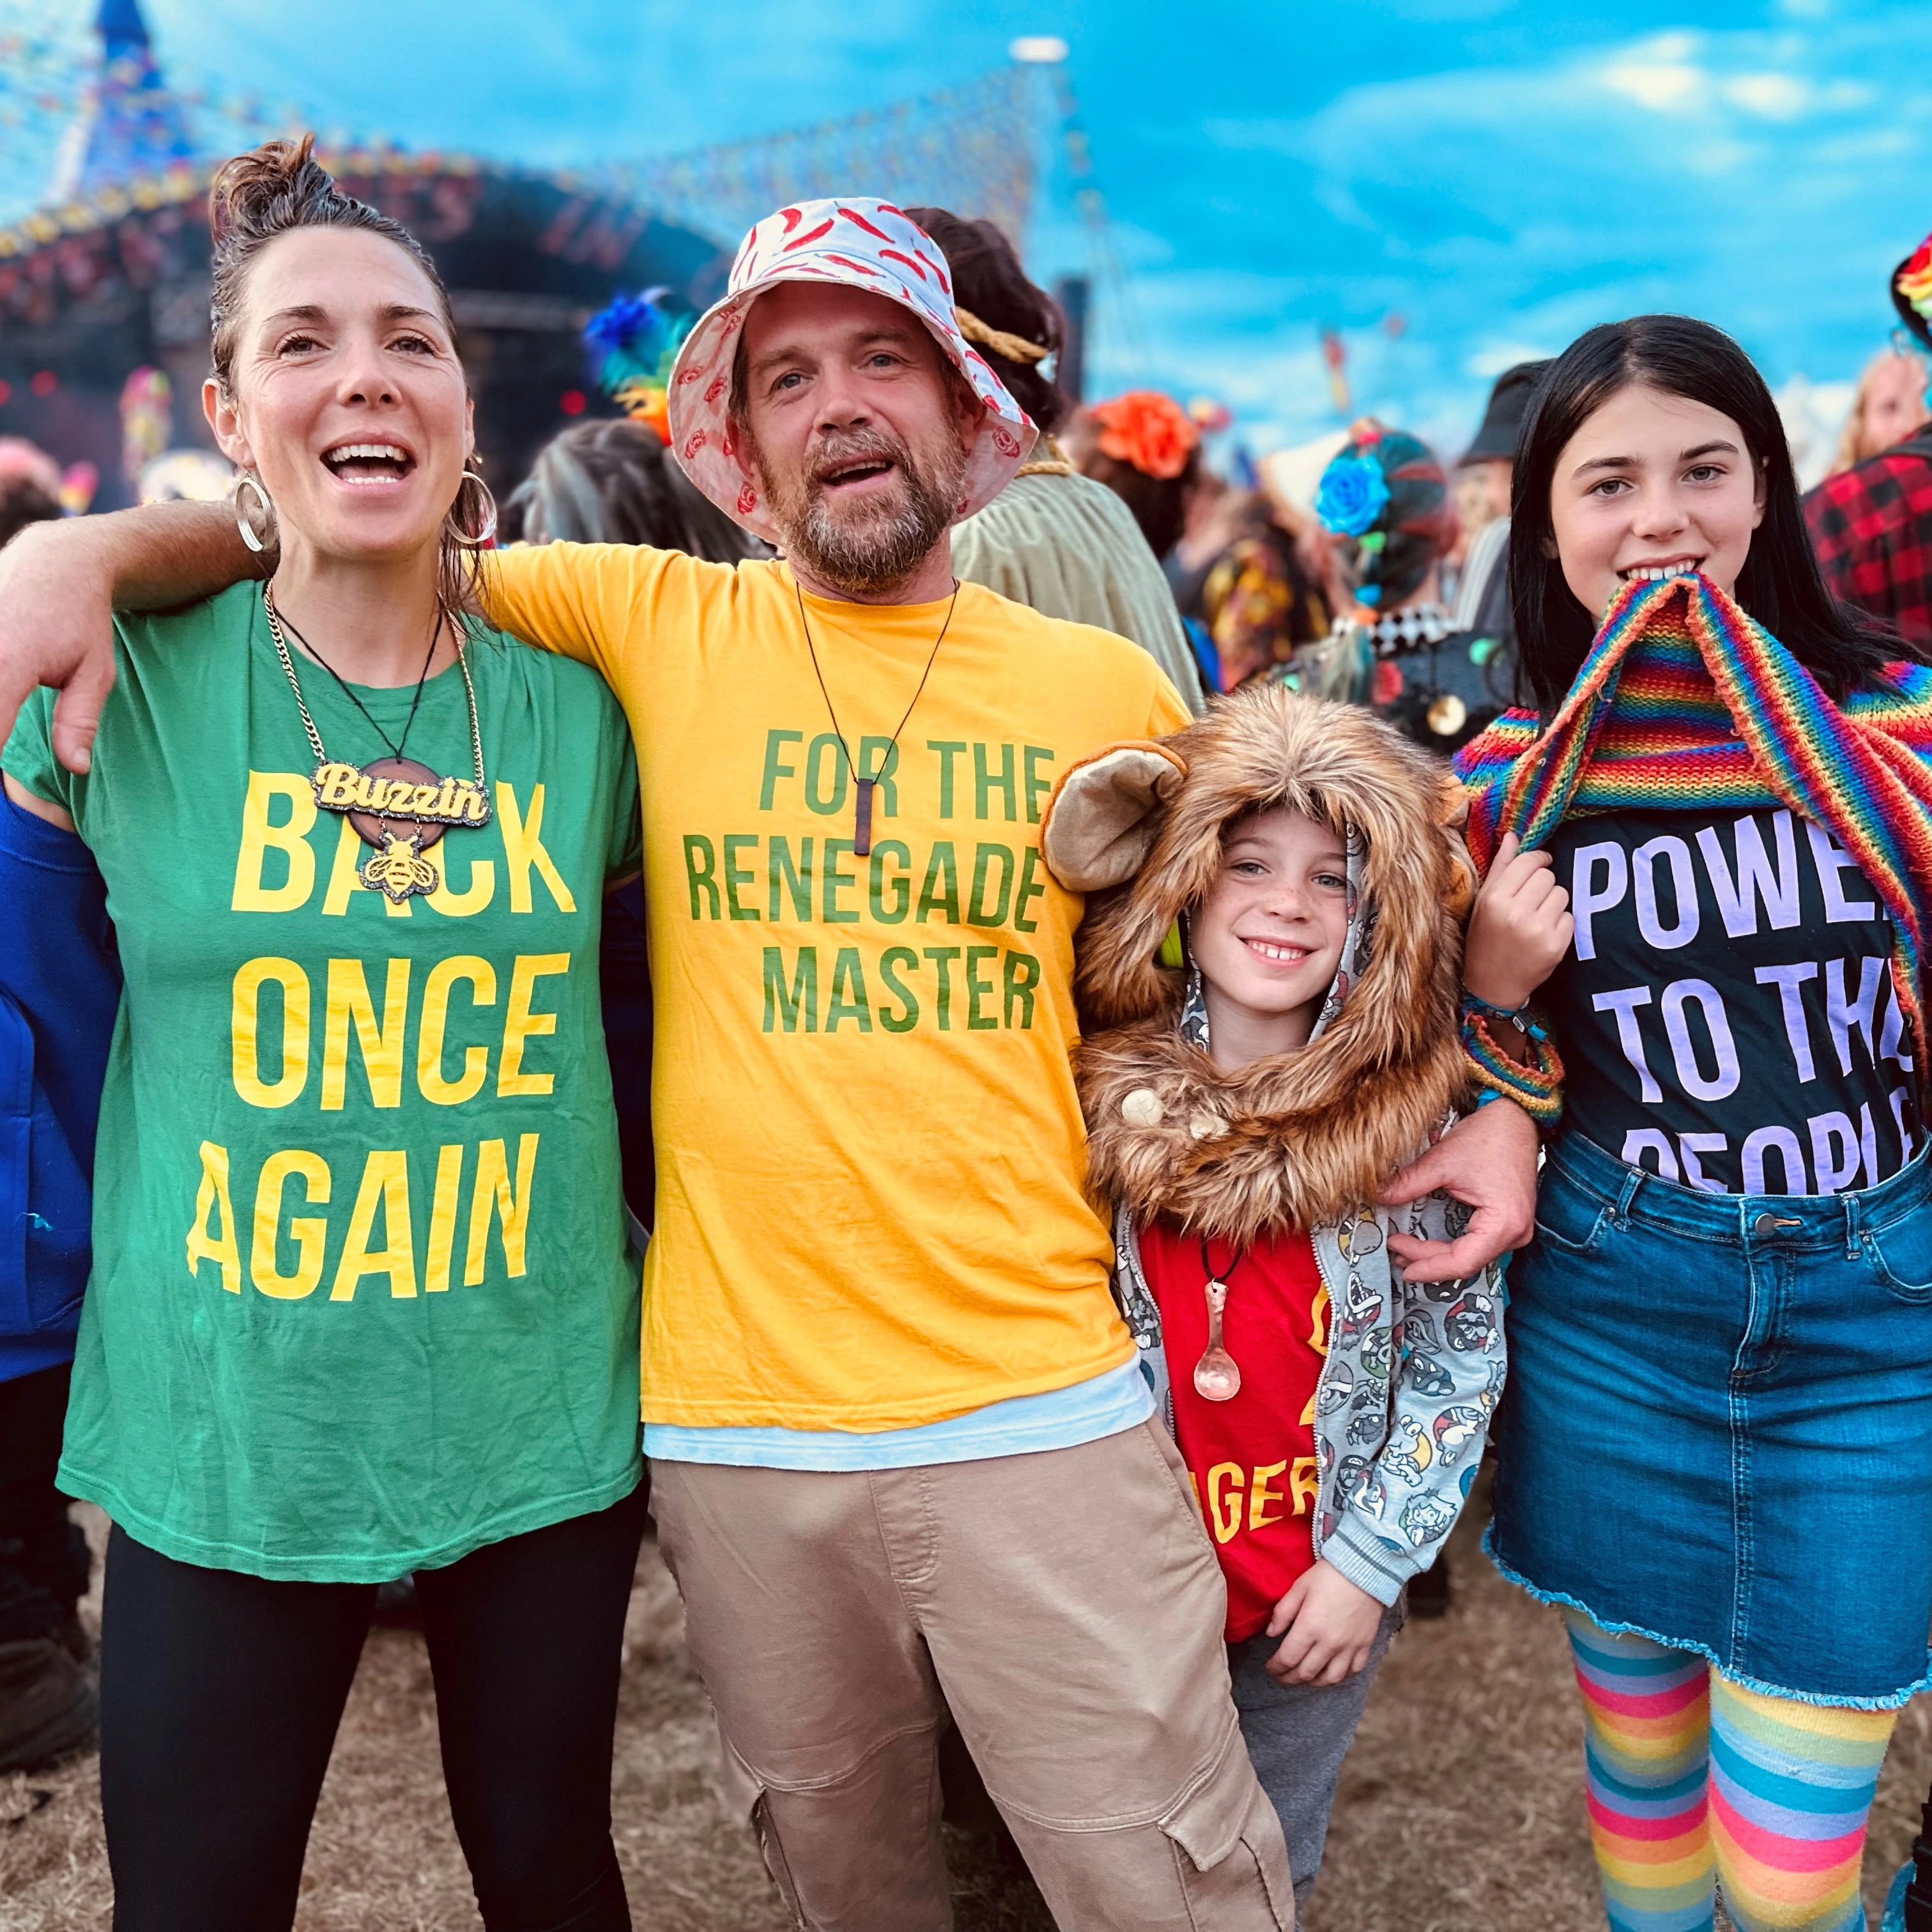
point(1725, 1013)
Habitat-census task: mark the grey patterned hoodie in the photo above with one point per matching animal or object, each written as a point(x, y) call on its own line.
point(1302, 1140)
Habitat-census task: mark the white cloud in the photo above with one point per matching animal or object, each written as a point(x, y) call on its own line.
point(1722, 156)
point(1878, 145)
point(1659, 85)
point(1778, 97)
point(1662, 74)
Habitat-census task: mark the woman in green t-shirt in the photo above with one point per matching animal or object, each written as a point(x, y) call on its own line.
point(362, 1300)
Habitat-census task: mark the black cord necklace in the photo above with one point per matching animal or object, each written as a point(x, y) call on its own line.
point(348, 690)
point(862, 822)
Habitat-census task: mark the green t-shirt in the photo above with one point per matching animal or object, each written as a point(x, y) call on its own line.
point(362, 1299)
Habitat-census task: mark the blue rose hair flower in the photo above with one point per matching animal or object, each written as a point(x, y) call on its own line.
point(1353, 493)
point(618, 328)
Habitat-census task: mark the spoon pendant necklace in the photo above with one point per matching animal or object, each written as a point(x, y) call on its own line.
point(397, 804)
point(1217, 1376)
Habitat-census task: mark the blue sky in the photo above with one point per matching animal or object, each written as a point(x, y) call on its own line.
point(1501, 175)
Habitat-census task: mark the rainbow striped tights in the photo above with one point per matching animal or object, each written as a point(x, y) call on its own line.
point(1696, 1782)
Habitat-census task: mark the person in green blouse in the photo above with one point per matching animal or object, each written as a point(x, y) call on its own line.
point(363, 1301)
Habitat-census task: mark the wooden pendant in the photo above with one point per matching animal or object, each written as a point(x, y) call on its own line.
point(401, 807)
point(861, 825)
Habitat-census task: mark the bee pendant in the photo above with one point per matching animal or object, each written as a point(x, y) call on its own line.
point(399, 869)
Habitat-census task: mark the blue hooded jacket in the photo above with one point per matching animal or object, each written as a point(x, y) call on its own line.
point(60, 989)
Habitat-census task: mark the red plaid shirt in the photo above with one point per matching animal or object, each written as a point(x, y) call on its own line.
point(1871, 525)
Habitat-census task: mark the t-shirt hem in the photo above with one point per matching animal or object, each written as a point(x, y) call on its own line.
point(311, 1567)
point(827, 1451)
point(732, 1415)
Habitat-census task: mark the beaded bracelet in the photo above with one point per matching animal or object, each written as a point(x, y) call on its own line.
point(1522, 1017)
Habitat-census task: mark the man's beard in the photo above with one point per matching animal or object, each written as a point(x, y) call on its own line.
point(876, 543)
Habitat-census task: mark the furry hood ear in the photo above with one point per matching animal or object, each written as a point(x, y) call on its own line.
point(1306, 1136)
point(1106, 813)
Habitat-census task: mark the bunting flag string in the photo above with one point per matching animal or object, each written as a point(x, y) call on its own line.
point(970, 148)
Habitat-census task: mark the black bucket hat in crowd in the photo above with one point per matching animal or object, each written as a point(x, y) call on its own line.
point(1912, 291)
point(1509, 403)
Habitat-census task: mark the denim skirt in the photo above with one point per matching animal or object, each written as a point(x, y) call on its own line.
point(1717, 1427)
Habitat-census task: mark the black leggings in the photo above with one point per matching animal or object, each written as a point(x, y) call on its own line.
point(221, 1695)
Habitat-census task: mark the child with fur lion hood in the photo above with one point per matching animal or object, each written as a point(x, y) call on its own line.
point(1250, 1083)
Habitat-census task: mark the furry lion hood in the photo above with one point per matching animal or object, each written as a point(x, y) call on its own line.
point(1299, 1139)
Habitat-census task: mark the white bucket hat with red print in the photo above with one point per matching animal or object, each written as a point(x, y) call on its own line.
point(866, 244)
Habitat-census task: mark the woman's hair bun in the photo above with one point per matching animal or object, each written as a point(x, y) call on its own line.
point(244, 197)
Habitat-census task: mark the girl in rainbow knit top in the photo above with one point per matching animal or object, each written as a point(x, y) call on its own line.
point(1709, 860)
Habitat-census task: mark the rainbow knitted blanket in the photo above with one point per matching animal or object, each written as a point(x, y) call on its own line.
point(1684, 700)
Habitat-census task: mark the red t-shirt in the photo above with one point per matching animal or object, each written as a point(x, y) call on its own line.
point(1252, 1458)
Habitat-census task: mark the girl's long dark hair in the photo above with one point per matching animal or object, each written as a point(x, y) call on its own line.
point(1779, 585)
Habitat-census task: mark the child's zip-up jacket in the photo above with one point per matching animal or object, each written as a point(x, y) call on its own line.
point(1305, 1140)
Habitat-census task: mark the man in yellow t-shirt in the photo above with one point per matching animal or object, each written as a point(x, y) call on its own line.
point(897, 1429)
point(903, 1453)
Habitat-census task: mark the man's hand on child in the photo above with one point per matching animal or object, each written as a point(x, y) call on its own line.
point(1487, 1161)
point(1522, 926)
point(1328, 1627)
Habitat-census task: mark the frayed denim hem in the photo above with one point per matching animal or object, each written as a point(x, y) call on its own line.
point(1893, 1701)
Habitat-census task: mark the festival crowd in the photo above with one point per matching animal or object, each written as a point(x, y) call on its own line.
point(1080, 1042)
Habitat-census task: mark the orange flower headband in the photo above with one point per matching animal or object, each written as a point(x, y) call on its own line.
point(1151, 431)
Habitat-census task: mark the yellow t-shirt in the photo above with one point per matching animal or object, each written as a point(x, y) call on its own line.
point(871, 1211)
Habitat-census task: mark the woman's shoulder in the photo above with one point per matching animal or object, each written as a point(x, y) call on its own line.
point(553, 685)
point(172, 668)
point(227, 617)
point(547, 677)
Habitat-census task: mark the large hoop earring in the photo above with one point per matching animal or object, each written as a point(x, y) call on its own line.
point(487, 534)
point(247, 480)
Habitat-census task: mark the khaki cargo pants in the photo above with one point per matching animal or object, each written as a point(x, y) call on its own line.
point(1066, 1605)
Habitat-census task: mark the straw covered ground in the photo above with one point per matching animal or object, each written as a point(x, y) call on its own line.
point(1459, 1812)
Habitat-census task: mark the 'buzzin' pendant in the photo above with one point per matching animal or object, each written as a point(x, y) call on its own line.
point(401, 807)
point(1217, 1377)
